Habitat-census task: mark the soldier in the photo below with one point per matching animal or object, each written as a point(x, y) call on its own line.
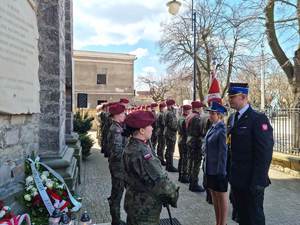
point(170, 134)
point(116, 146)
point(154, 125)
point(98, 122)
point(197, 125)
point(107, 124)
point(104, 117)
point(124, 101)
point(251, 136)
point(183, 149)
point(160, 133)
point(148, 187)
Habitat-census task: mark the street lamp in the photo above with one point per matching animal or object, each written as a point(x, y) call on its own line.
point(173, 9)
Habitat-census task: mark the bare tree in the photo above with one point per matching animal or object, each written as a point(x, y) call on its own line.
point(223, 32)
point(288, 19)
point(158, 87)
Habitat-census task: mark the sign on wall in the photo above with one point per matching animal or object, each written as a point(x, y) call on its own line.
point(19, 83)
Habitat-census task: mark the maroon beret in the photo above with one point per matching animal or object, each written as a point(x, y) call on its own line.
point(170, 102)
point(116, 109)
point(186, 107)
point(162, 105)
point(154, 104)
point(139, 119)
point(197, 104)
point(148, 106)
point(124, 100)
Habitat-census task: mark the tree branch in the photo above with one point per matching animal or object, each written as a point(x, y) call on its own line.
point(279, 54)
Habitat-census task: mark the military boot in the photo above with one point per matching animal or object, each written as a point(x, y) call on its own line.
point(184, 179)
point(171, 168)
point(196, 188)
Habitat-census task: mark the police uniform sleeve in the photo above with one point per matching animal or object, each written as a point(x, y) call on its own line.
point(263, 149)
point(222, 156)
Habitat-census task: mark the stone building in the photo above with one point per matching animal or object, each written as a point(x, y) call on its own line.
point(102, 77)
point(43, 123)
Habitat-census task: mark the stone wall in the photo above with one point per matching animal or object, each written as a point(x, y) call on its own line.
point(18, 139)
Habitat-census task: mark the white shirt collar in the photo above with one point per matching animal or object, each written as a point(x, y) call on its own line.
point(243, 110)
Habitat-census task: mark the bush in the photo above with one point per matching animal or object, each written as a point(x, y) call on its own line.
point(82, 124)
point(86, 143)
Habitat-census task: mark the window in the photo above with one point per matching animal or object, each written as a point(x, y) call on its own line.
point(101, 77)
point(99, 102)
point(82, 100)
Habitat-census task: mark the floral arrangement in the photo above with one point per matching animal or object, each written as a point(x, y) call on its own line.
point(53, 187)
point(8, 218)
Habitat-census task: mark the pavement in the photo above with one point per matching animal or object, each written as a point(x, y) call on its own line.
point(282, 198)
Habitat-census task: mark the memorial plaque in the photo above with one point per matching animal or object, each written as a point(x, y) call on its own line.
point(19, 82)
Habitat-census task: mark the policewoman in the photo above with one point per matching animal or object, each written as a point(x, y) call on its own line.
point(251, 142)
point(215, 160)
point(147, 184)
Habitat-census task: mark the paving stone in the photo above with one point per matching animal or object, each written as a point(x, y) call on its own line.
point(282, 198)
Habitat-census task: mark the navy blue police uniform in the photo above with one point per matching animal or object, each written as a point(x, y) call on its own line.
point(251, 145)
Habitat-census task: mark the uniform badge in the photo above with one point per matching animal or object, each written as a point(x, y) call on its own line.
point(264, 127)
point(147, 156)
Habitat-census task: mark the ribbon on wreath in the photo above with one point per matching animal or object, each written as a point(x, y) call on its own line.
point(59, 203)
point(16, 220)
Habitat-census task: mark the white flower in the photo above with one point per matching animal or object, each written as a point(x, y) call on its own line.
point(29, 188)
point(61, 186)
point(45, 173)
point(35, 193)
point(2, 213)
point(29, 180)
point(44, 178)
point(27, 197)
point(49, 184)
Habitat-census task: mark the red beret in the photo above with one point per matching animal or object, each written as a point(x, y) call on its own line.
point(197, 104)
point(170, 102)
point(186, 107)
point(124, 100)
point(116, 109)
point(153, 105)
point(139, 119)
point(148, 106)
point(162, 105)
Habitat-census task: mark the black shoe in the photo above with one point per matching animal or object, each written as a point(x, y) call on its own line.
point(184, 180)
point(196, 188)
point(171, 169)
point(163, 162)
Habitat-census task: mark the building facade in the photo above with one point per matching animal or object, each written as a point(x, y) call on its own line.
point(102, 77)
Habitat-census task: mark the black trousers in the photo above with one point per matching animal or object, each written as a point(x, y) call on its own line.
point(249, 206)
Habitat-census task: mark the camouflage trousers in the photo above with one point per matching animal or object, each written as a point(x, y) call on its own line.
point(117, 189)
point(141, 208)
point(170, 151)
point(195, 158)
point(183, 160)
point(161, 147)
point(154, 139)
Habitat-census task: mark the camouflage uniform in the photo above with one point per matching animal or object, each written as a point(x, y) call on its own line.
point(105, 129)
point(197, 127)
point(161, 137)
point(147, 185)
point(170, 135)
point(155, 131)
point(116, 148)
point(98, 122)
point(183, 150)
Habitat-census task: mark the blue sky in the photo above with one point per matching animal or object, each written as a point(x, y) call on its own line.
point(130, 26)
point(123, 26)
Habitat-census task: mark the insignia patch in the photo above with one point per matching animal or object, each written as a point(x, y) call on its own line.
point(264, 127)
point(147, 156)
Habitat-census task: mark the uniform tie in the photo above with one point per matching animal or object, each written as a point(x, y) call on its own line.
point(236, 118)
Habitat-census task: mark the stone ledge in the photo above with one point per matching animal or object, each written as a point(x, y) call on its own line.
point(286, 163)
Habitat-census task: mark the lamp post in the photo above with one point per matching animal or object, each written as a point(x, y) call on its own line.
point(174, 7)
